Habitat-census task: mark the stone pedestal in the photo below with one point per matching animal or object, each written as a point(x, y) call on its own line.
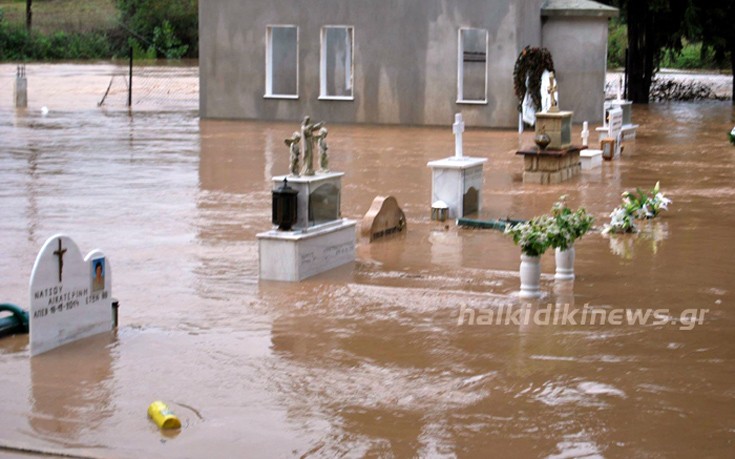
point(457, 182)
point(320, 240)
point(296, 255)
point(558, 126)
point(590, 159)
point(549, 166)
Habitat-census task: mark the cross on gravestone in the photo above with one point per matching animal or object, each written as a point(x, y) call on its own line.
point(458, 129)
point(60, 253)
point(585, 133)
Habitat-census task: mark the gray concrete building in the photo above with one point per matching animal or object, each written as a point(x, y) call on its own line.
point(414, 62)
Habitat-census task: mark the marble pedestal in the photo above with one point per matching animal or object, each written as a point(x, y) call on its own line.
point(457, 182)
point(549, 166)
point(590, 159)
point(558, 126)
point(320, 240)
point(296, 255)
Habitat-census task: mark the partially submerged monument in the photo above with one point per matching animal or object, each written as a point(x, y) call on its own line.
point(310, 236)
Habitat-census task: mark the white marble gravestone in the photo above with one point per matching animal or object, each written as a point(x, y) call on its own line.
point(628, 128)
point(320, 239)
point(457, 180)
point(615, 128)
point(70, 296)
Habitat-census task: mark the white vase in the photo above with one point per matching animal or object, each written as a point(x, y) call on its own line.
point(530, 276)
point(564, 264)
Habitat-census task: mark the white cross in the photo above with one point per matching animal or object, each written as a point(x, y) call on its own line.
point(458, 129)
point(585, 133)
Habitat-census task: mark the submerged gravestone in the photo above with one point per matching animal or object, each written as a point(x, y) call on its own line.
point(318, 238)
point(457, 180)
point(70, 296)
point(385, 217)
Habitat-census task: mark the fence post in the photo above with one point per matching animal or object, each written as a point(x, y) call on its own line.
point(130, 80)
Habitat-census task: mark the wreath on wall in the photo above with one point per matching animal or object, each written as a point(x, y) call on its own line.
point(531, 64)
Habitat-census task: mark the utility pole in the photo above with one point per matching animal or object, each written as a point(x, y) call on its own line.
point(29, 16)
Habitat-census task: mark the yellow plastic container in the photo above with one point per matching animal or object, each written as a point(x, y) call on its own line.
point(163, 416)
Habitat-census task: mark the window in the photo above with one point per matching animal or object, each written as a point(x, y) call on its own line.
point(472, 66)
point(282, 62)
point(335, 73)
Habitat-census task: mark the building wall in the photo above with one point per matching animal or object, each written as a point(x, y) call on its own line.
point(405, 59)
point(579, 48)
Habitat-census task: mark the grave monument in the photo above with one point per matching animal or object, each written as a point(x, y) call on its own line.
point(70, 296)
point(628, 129)
point(554, 159)
point(612, 139)
point(457, 180)
point(315, 238)
point(385, 217)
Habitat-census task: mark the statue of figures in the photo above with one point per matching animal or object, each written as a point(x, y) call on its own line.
point(293, 145)
point(307, 139)
point(323, 157)
point(552, 93)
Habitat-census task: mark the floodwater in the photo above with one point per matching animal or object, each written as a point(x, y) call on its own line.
point(372, 359)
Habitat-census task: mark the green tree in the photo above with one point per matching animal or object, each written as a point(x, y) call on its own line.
point(711, 22)
point(161, 22)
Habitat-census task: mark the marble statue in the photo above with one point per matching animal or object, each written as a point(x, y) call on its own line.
point(293, 145)
point(307, 139)
point(323, 156)
point(552, 93)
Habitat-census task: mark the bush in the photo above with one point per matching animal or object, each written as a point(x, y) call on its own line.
point(691, 56)
point(617, 43)
point(17, 45)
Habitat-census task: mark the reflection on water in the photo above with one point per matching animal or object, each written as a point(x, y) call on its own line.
point(71, 390)
point(368, 359)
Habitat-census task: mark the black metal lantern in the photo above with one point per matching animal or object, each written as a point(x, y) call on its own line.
point(285, 206)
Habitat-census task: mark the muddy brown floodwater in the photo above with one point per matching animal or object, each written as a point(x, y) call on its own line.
point(369, 359)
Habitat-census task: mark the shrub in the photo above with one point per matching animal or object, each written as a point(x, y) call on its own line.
point(617, 42)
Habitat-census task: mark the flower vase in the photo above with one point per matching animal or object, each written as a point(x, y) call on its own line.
point(564, 264)
point(530, 276)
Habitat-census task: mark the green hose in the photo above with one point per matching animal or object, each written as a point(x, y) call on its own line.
point(15, 323)
point(488, 224)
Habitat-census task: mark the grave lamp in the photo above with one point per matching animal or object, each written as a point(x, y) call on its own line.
point(284, 206)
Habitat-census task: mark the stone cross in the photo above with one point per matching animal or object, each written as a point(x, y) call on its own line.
point(60, 253)
point(458, 129)
point(585, 133)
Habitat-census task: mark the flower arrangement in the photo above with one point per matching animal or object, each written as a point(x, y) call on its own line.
point(637, 205)
point(558, 230)
point(566, 225)
point(531, 236)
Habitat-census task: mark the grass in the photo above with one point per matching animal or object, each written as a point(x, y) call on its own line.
point(63, 15)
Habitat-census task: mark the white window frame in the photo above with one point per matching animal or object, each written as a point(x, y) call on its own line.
point(269, 63)
point(460, 67)
point(323, 63)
